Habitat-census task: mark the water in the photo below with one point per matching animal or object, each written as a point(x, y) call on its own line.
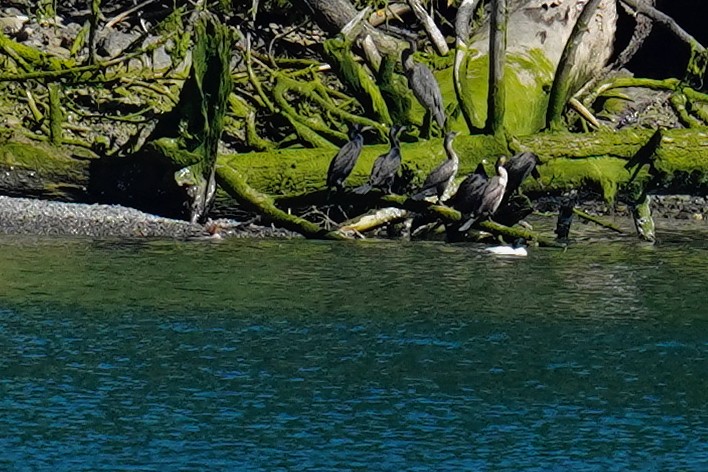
point(297, 355)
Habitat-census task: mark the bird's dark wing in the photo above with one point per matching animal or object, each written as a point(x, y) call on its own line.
point(492, 197)
point(440, 174)
point(342, 164)
point(427, 91)
point(519, 168)
point(436, 177)
point(469, 193)
point(362, 189)
point(385, 167)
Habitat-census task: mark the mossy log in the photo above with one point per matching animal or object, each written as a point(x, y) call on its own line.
point(590, 160)
point(580, 161)
point(234, 184)
point(451, 216)
point(37, 169)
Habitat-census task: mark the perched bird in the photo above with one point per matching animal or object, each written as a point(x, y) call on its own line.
point(469, 194)
point(516, 249)
point(423, 84)
point(519, 168)
point(492, 195)
point(438, 181)
point(343, 163)
point(386, 165)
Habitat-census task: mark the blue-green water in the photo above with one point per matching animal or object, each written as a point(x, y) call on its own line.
point(297, 355)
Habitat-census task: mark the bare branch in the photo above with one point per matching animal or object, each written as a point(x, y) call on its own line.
point(436, 37)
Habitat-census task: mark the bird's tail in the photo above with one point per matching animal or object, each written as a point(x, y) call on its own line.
point(422, 194)
point(362, 189)
point(471, 221)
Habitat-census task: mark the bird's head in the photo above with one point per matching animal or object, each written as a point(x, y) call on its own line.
point(450, 136)
point(357, 128)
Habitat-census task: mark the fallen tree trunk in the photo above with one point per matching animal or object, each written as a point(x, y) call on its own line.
point(570, 161)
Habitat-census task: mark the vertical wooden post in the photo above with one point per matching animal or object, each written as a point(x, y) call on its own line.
point(56, 115)
point(93, 28)
point(497, 58)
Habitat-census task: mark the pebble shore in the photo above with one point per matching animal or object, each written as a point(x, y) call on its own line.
point(43, 217)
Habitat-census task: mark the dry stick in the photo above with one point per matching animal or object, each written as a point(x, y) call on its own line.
point(373, 220)
point(497, 57)
point(561, 82)
point(642, 30)
point(122, 16)
point(597, 220)
point(436, 37)
point(584, 112)
point(666, 20)
point(282, 34)
point(382, 16)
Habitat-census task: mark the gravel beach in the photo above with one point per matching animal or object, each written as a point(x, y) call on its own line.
point(43, 217)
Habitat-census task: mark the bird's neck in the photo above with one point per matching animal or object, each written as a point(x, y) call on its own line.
point(395, 143)
point(407, 58)
point(451, 154)
point(503, 174)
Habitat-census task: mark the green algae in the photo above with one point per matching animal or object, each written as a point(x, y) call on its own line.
point(528, 78)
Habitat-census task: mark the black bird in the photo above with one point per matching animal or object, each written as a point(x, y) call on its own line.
point(519, 168)
point(343, 163)
point(423, 84)
point(386, 165)
point(438, 181)
point(469, 194)
point(492, 195)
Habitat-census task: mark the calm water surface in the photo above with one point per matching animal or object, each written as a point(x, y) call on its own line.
point(297, 355)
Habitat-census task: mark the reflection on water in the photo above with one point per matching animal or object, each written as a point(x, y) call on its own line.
point(296, 355)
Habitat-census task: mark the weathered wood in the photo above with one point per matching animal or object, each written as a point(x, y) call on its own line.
point(374, 219)
point(436, 37)
point(235, 185)
point(590, 160)
point(563, 80)
point(597, 220)
point(538, 33)
point(452, 216)
point(497, 61)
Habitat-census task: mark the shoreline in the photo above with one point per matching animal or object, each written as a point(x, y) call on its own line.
point(26, 216)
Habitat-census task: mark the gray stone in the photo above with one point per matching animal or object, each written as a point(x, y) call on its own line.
point(114, 42)
point(12, 25)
